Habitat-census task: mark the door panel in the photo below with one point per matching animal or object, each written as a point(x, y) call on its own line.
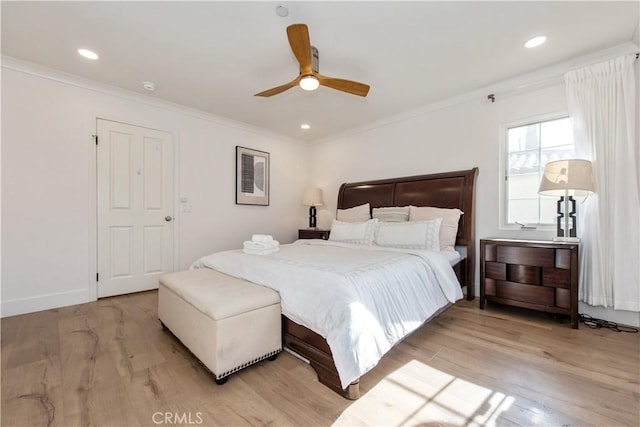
point(120, 164)
point(121, 242)
point(153, 180)
point(153, 249)
point(135, 196)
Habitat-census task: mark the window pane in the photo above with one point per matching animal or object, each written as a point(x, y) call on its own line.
point(523, 210)
point(524, 186)
point(556, 153)
point(548, 209)
point(529, 148)
point(556, 132)
point(524, 138)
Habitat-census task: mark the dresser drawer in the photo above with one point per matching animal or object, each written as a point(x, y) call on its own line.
point(524, 274)
point(563, 298)
point(490, 287)
point(539, 257)
point(563, 258)
point(556, 277)
point(526, 293)
point(495, 270)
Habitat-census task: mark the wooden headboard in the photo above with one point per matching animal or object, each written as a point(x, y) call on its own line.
point(443, 190)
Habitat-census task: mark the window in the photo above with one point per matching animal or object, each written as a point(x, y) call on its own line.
point(528, 149)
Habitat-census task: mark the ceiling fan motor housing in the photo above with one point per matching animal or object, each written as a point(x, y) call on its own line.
point(315, 59)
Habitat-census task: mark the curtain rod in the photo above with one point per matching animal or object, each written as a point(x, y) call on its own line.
point(492, 96)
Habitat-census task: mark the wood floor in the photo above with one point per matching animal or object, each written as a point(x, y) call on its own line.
point(109, 363)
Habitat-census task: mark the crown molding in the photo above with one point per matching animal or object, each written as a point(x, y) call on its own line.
point(47, 73)
point(534, 80)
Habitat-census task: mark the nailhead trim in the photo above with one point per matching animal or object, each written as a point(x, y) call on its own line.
point(244, 365)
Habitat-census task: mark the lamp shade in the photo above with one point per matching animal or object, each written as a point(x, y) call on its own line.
point(567, 177)
point(313, 197)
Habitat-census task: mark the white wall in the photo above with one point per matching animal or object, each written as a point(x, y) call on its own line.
point(48, 183)
point(437, 139)
point(636, 39)
point(454, 137)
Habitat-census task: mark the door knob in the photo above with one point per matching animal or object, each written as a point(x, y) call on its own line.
point(168, 218)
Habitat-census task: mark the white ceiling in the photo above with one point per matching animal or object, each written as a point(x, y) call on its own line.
point(213, 56)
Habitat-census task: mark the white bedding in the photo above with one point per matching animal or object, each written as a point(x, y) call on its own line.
point(361, 299)
point(454, 256)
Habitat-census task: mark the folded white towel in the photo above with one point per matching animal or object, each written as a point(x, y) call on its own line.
point(250, 251)
point(262, 238)
point(257, 245)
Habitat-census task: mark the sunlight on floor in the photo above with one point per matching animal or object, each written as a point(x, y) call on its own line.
point(417, 394)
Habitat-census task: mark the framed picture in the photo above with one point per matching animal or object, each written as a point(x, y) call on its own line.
point(252, 177)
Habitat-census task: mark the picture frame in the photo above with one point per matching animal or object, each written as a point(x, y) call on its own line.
point(252, 177)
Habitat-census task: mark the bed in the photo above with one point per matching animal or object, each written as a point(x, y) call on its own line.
point(336, 289)
point(446, 190)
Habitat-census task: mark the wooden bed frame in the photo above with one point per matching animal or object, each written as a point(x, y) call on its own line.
point(444, 190)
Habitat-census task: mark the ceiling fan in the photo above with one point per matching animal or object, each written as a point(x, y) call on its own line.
point(309, 78)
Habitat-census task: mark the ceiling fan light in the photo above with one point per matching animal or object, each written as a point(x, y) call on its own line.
point(309, 83)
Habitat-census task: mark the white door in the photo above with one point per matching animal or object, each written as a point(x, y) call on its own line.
point(135, 207)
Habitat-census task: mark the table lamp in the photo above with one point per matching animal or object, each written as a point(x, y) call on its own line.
point(567, 178)
point(312, 198)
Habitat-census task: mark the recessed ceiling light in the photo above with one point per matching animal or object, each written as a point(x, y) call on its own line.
point(305, 126)
point(88, 54)
point(535, 41)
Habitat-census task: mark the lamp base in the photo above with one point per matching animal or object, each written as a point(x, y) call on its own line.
point(566, 239)
point(566, 219)
point(312, 217)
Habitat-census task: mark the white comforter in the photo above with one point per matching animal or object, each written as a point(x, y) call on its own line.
point(361, 299)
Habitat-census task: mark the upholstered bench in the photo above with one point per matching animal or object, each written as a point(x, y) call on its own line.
point(226, 322)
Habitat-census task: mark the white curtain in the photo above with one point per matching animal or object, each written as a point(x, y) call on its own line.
point(602, 105)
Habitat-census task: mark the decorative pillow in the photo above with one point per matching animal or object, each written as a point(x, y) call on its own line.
point(448, 228)
point(396, 214)
point(410, 235)
point(361, 233)
point(357, 214)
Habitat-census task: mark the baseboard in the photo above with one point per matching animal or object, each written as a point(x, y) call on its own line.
point(43, 302)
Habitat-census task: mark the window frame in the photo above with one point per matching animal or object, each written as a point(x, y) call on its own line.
point(503, 198)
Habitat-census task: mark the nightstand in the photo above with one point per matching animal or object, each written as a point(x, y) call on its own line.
point(313, 233)
point(539, 275)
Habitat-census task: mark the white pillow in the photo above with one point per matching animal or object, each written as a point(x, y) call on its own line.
point(410, 235)
point(361, 233)
point(448, 228)
point(357, 214)
point(397, 214)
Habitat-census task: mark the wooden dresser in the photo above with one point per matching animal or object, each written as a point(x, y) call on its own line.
point(539, 275)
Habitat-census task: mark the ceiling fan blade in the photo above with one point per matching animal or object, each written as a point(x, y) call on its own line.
point(301, 46)
point(279, 89)
point(348, 86)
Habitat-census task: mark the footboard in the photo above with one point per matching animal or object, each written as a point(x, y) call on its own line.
point(314, 348)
